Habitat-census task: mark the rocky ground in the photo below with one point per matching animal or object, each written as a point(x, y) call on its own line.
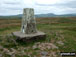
point(10, 48)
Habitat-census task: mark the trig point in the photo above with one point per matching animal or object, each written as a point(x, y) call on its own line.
point(28, 27)
point(28, 21)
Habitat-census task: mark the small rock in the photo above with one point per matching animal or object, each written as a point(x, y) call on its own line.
point(34, 47)
point(1, 47)
point(54, 54)
point(0, 55)
point(40, 46)
point(43, 56)
point(29, 55)
point(49, 47)
point(13, 55)
point(10, 53)
point(44, 53)
point(60, 43)
point(13, 50)
point(34, 56)
point(53, 46)
point(43, 48)
point(6, 50)
point(22, 52)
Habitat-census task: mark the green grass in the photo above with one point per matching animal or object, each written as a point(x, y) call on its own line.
point(64, 30)
point(64, 20)
point(68, 30)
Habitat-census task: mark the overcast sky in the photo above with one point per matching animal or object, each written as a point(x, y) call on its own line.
point(14, 7)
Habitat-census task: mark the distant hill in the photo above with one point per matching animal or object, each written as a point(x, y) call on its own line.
point(41, 15)
point(46, 15)
point(49, 15)
point(68, 15)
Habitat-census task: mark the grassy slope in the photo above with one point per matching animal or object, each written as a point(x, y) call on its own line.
point(65, 28)
point(57, 29)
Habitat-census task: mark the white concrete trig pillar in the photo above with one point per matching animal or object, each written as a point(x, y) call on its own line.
point(28, 21)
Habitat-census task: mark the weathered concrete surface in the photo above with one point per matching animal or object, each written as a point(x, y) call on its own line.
point(25, 37)
point(28, 21)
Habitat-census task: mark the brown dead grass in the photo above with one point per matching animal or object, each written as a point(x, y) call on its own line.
point(53, 20)
point(17, 22)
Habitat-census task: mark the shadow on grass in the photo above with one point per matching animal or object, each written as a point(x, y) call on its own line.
point(29, 42)
point(13, 42)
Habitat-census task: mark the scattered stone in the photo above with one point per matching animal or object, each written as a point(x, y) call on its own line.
point(1, 47)
point(44, 46)
point(13, 50)
point(29, 55)
point(13, 55)
point(53, 46)
point(60, 43)
point(0, 55)
point(34, 56)
point(53, 54)
point(6, 50)
point(49, 47)
point(34, 47)
point(44, 53)
point(37, 43)
point(10, 53)
point(43, 56)
point(23, 52)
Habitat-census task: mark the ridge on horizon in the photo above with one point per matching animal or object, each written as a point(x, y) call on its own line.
point(44, 15)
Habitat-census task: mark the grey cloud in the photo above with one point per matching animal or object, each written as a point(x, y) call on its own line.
point(43, 4)
point(10, 7)
point(14, 8)
point(71, 4)
point(11, 3)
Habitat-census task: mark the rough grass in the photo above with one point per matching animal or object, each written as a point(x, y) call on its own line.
point(61, 30)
